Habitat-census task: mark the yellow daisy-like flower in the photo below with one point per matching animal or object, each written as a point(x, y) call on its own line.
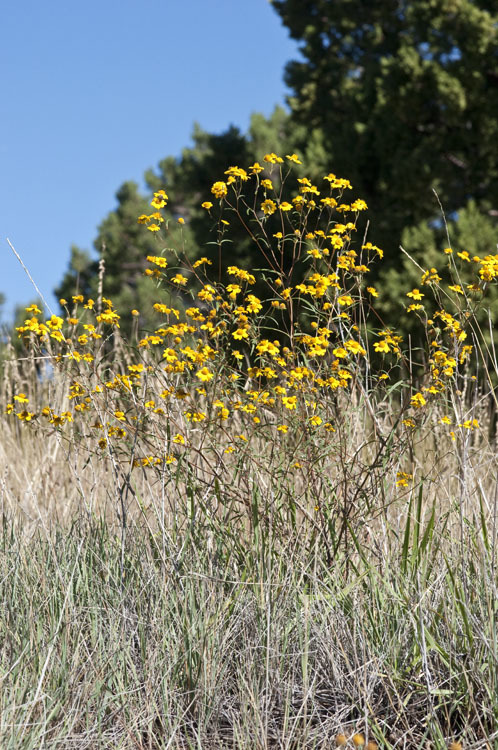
point(345, 299)
point(354, 347)
point(219, 189)
point(273, 158)
point(415, 294)
point(203, 261)
point(403, 478)
point(25, 416)
point(237, 172)
point(359, 205)
point(55, 323)
point(207, 205)
point(340, 352)
point(179, 279)
point(204, 374)
point(268, 346)
point(253, 304)
point(290, 402)
point(159, 200)
point(157, 260)
point(469, 424)
point(418, 401)
point(268, 207)
point(195, 416)
point(240, 333)
point(382, 346)
point(284, 206)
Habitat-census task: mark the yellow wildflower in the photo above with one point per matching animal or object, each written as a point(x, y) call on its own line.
point(418, 401)
point(290, 402)
point(157, 260)
point(219, 189)
point(382, 346)
point(273, 158)
point(204, 374)
point(268, 207)
point(159, 200)
point(345, 299)
point(415, 294)
point(202, 261)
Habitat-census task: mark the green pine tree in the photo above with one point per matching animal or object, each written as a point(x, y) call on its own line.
point(403, 98)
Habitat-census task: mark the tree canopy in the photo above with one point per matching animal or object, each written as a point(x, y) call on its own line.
point(405, 95)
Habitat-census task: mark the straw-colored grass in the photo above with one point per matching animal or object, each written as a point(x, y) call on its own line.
point(210, 628)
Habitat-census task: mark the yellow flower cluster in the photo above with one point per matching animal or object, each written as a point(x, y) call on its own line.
point(265, 353)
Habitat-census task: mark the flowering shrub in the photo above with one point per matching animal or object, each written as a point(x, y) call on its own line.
point(280, 379)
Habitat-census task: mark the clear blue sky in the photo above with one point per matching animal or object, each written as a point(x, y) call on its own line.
point(96, 92)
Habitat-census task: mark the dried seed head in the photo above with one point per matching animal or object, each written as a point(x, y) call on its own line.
point(358, 740)
point(341, 740)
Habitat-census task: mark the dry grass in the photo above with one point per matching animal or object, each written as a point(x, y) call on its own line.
point(218, 621)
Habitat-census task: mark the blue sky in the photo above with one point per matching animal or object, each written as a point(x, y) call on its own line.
point(94, 93)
